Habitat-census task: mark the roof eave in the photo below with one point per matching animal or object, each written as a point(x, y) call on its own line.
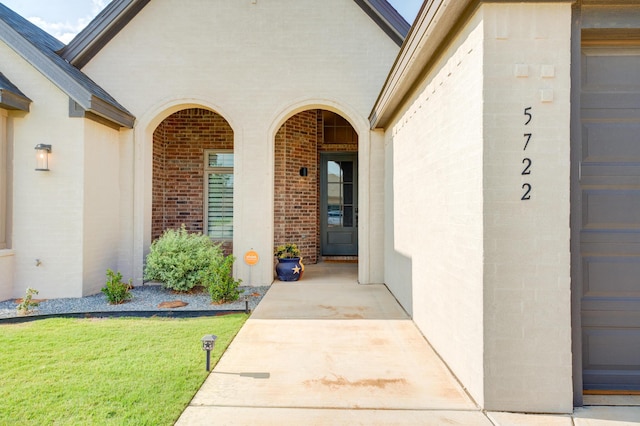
point(100, 31)
point(434, 22)
point(102, 112)
point(14, 101)
point(387, 18)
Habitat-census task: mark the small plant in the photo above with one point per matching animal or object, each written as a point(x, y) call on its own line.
point(287, 251)
point(180, 260)
point(220, 283)
point(117, 292)
point(28, 305)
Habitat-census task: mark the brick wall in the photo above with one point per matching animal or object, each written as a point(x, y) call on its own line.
point(298, 144)
point(296, 197)
point(179, 143)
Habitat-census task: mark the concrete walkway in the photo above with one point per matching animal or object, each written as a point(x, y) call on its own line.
point(327, 351)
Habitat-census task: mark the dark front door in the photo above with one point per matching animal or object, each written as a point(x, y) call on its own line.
point(339, 204)
point(609, 228)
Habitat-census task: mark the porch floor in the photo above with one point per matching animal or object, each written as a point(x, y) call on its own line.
point(326, 350)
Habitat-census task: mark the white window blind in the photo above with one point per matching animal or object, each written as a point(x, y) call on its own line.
point(219, 197)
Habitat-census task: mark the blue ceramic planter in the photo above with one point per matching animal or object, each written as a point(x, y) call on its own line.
point(289, 269)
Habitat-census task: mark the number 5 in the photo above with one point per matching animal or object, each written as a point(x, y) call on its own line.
point(527, 113)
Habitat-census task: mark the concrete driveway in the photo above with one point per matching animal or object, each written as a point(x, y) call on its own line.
point(327, 351)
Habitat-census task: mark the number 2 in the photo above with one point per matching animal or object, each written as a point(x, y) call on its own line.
point(527, 113)
point(527, 193)
point(527, 167)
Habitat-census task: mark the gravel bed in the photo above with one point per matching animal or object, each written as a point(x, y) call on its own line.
point(145, 298)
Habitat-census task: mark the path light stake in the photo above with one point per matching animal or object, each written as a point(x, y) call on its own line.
point(208, 342)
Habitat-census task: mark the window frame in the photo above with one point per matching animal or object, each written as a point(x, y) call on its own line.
point(208, 170)
point(4, 178)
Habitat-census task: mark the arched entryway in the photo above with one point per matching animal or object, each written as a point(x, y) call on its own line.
point(316, 185)
point(193, 163)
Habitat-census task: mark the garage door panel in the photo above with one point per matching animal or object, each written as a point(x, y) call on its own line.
point(610, 248)
point(612, 277)
point(599, 146)
point(610, 358)
point(599, 105)
point(600, 342)
point(611, 208)
point(616, 318)
point(610, 69)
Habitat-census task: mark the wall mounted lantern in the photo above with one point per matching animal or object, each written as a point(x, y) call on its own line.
point(42, 157)
point(304, 171)
point(208, 342)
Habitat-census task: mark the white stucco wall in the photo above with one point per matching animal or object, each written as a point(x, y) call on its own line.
point(434, 208)
point(256, 64)
point(527, 304)
point(489, 273)
point(47, 206)
point(101, 204)
point(68, 217)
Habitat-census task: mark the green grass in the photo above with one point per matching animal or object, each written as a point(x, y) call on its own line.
point(105, 371)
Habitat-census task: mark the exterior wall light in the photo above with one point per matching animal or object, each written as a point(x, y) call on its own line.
point(208, 343)
point(42, 157)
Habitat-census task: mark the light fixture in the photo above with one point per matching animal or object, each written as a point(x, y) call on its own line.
point(42, 157)
point(208, 342)
point(304, 171)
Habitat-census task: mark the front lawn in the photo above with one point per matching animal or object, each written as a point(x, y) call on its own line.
point(105, 371)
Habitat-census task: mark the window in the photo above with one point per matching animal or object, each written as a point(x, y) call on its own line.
point(219, 194)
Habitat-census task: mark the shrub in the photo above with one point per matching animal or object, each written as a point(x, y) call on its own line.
point(117, 292)
point(27, 306)
point(180, 260)
point(220, 283)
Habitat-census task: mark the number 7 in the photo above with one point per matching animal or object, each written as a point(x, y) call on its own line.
point(528, 136)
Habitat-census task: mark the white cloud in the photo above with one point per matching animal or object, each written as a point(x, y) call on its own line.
point(63, 31)
point(66, 31)
point(98, 5)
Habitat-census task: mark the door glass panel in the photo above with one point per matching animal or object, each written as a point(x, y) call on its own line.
point(340, 194)
point(334, 172)
point(347, 217)
point(334, 216)
point(347, 189)
point(347, 171)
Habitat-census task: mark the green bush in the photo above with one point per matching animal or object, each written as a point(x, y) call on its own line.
point(220, 283)
point(117, 292)
point(180, 260)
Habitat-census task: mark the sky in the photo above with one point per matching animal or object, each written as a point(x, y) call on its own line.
point(65, 18)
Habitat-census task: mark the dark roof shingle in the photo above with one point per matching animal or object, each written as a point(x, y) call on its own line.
point(11, 97)
point(20, 34)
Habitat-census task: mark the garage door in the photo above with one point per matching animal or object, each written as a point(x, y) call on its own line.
point(609, 181)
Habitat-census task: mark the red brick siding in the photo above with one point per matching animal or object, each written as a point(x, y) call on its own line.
point(179, 143)
point(298, 144)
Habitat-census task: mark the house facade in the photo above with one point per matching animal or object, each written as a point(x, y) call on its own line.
point(481, 164)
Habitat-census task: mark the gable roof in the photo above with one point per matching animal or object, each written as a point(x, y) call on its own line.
point(119, 13)
point(11, 97)
point(39, 48)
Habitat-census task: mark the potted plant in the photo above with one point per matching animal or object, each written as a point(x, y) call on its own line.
point(289, 266)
